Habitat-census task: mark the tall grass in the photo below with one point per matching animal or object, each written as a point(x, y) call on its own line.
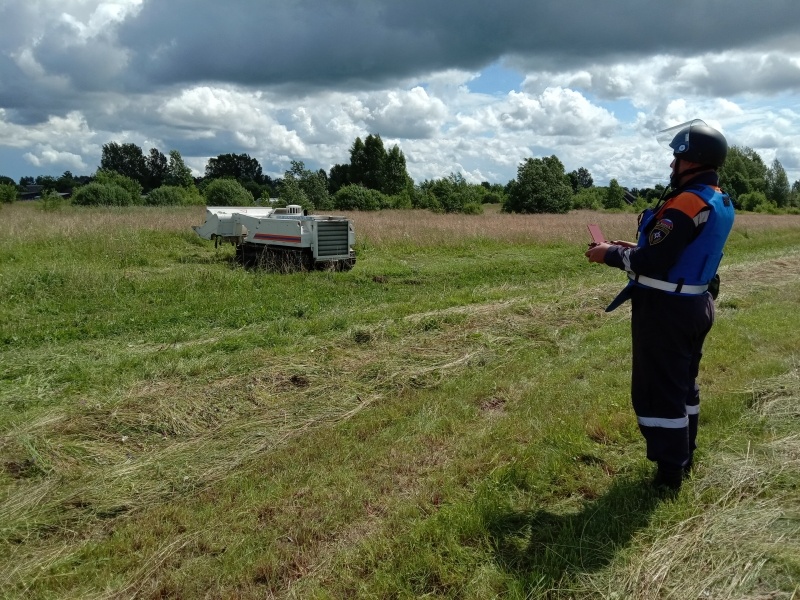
point(449, 419)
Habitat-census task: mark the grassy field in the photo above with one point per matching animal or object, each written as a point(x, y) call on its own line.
point(450, 419)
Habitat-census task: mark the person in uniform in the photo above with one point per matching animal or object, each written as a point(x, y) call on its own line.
point(672, 283)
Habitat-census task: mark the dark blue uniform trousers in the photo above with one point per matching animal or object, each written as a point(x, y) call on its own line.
point(668, 332)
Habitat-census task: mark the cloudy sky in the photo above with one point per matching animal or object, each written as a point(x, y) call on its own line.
point(463, 86)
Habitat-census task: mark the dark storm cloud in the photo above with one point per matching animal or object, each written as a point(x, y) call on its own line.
point(12, 85)
point(359, 44)
point(92, 66)
point(75, 74)
point(16, 20)
point(322, 43)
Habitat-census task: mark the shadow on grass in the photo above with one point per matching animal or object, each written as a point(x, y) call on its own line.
point(546, 549)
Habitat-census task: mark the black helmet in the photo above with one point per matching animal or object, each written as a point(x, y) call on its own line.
point(697, 142)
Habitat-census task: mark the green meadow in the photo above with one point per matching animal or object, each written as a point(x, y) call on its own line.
point(450, 419)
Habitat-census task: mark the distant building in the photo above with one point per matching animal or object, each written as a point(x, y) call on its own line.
point(34, 192)
point(31, 192)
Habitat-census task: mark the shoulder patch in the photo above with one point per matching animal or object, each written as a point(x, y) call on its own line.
point(661, 230)
point(688, 203)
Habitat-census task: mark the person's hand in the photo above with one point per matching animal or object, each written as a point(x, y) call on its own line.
point(597, 253)
point(623, 243)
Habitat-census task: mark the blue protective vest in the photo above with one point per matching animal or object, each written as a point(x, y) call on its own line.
point(700, 260)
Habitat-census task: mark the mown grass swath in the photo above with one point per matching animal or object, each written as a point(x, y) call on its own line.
point(450, 419)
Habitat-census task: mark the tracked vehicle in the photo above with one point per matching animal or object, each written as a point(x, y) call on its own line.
point(282, 238)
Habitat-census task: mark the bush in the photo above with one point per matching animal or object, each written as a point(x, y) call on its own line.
point(166, 195)
point(473, 208)
point(494, 198)
point(227, 192)
point(8, 193)
point(52, 201)
point(769, 207)
point(427, 201)
point(356, 197)
point(588, 198)
point(173, 195)
point(753, 200)
point(452, 194)
point(638, 206)
point(100, 194)
point(402, 200)
point(132, 187)
point(192, 196)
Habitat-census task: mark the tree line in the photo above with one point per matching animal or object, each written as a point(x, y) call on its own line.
point(375, 178)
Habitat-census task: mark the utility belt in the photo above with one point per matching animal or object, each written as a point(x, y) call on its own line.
point(657, 284)
point(666, 286)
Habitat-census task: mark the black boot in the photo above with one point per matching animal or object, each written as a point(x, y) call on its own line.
point(688, 468)
point(668, 477)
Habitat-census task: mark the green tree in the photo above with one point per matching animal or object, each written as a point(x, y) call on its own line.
point(358, 162)
point(541, 186)
point(66, 182)
point(157, 169)
point(315, 186)
point(290, 192)
point(648, 195)
point(794, 196)
point(580, 179)
point(373, 167)
point(614, 196)
point(375, 163)
point(177, 171)
point(254, 188)
point(395, 176)
point(778, 189)
point(227, 192)
point(240, 167)
point(338, 178)
point(312, 187)
point(125, 159)
point(48, 182)
point(742, 173)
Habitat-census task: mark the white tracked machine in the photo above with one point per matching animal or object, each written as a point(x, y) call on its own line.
point(282, 238)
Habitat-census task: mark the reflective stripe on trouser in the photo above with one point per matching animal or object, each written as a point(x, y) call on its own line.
point(693, 413)
point(667, 334)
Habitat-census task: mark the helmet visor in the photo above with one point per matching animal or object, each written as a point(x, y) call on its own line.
point(678, 138)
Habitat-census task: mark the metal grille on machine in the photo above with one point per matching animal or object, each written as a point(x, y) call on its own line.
point(332, 238)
